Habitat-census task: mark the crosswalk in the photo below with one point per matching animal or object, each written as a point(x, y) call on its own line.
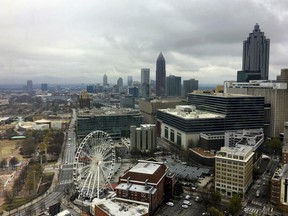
point(257, 203)
point(249, 210)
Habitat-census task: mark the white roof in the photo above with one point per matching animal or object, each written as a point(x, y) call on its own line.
point(122, 207)
point(145, 168)
point(136, 188)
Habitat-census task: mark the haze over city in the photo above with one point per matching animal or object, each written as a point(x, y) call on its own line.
point(77, 42)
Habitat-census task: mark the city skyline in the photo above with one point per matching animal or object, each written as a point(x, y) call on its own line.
point(56, 42)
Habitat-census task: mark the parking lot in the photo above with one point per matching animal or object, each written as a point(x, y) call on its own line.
point(196, 208)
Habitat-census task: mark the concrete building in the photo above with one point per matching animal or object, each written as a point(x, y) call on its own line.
point(189, 86)
point(173, 86)
point(183, 124)
point(120, 82)
point(143, 138)
point(148, 108)
point(276, 101)
point(233, 170)
point(283, 77)
point(149, 182)
point(160, 76)
point(255, 56)
point(114, 121)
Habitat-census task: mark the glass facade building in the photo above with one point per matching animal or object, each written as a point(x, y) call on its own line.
point(116, 125)
point(241, 111)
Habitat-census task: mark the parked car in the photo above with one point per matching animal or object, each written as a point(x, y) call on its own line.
point(198, 199)
point(170, 203)
point(186, 202)
point(187, 197)
point(185, 206)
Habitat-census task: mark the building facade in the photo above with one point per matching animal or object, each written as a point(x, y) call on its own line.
point(241, 111)
point(105, 119)
point(256, 54)
point(275, 98)
point(189, 86)
point(233, 170)
point(29, 86)
point(84, 100)
point(173, 86)
point(44, 87)
point(160, 76)
point(105, 80)
point(183, 124)
point(143, 138)
point(147, 181)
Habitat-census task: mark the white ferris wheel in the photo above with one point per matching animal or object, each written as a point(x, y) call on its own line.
point(94, 165)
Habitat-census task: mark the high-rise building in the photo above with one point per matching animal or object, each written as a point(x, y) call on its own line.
point(173, 86)
point(233, 170)
point(145, 75)
point(84, 100)
point(29, 86)
point(120, 82)
point(189, 86)
point(145, 82)
point(129, 80)
point(44, 87)
point(160, 75)
point(133, 91)
point(105, 80)
point(255, 62)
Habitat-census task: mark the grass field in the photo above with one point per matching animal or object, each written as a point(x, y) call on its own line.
point(9, 148)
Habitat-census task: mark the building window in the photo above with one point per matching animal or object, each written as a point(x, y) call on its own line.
point(166, 132)
point(179, 139)
point(172, 137)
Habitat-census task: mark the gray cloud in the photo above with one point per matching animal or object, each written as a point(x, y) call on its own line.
point(72, 41)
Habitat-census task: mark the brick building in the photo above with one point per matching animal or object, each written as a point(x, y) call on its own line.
point(148, 182)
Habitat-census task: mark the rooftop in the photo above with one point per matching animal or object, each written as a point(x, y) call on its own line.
point(106, 111)
point(190, 112)
point(136, 188)
point(145, 168)
point(225, 95)
point(123, 207)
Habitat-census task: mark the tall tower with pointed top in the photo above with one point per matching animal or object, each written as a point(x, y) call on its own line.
point(105, 80)
point(256, 53)
point(160, 75)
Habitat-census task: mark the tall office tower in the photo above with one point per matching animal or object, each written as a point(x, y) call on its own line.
point(145, 75)
point(255, 62)
point(173, 86)
point(44, 87)
point(29, 86)
point(120, 82)
point(145, 82)
point(160, 75)
point(105, 80)
point(189, 86)
point(130, 81)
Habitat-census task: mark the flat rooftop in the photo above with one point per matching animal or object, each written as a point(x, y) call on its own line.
point(203, 152)
point(226, 95)
point(194, 114)
point(123, 207)
point(136, 188)
point(145, 168)
point(106, 111)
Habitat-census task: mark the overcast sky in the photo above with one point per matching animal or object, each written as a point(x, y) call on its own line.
point(72, 41)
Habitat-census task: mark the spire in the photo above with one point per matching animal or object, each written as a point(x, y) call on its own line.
point(160, 57)
point(256, 27)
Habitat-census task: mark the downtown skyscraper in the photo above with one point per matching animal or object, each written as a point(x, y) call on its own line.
point(160, 75)
point(255, 62)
